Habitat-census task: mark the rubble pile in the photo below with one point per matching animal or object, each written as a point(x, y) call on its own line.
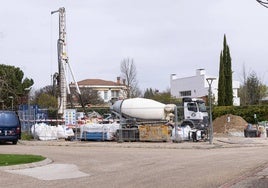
point(229, 124)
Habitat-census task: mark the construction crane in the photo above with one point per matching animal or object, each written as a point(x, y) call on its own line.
point(63, 64)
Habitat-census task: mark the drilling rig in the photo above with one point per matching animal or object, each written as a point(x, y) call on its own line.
point(60, 78)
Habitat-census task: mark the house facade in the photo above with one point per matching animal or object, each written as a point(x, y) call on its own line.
point(107, 90)
point(197, 86)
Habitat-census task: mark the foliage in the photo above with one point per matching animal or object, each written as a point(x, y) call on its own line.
point(221, 84)
point(252, 90)
point(87, 97)
point(225, 92)
point(163, 97)
point(150, 93)
point(26, 136)
point(246, 112)
point(47, 101)
point(100, 110)
point(14, 159)
point(52, 113)
point(45, 98)
point(229, 79)
point(47, 89)
point(90, 96)
point(129, 74)
point(263, 91)
point(242, 92)
point(13, 83)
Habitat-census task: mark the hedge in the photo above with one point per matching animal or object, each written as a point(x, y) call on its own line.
point(246, 112)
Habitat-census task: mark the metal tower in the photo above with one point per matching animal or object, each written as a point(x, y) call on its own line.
point(63, 64)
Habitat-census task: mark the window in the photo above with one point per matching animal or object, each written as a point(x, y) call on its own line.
point(105, 95)
point(202, 106)
point(192, 107)
point(185, 93)
point(8, 119)
point(115, 94)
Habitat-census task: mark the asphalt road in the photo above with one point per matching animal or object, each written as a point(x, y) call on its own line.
point(111, 164)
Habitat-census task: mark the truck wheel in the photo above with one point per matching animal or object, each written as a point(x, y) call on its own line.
point(185, 123)
point(14, 142)
point(246, 133)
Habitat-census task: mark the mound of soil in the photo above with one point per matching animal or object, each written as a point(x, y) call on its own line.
point(235, 124)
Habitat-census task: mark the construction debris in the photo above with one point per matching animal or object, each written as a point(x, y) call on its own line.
point(230, 125)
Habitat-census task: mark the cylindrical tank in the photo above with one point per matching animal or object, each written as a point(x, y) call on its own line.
point(140, 108)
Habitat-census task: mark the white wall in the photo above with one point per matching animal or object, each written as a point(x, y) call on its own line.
point(199, 86)
point(196, 84)
point(121, 93)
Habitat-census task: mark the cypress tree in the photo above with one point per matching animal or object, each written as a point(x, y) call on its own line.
point(221, 84)
point(225, 86)
point(228, 80)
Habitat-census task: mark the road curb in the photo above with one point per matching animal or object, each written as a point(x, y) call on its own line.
point(27, 165)
point(224, 142)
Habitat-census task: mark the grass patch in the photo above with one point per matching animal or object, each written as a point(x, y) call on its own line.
point(26, 136)
point(13, 159)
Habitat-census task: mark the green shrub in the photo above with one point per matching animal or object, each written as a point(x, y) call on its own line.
point(26, 136)
point(246, 112)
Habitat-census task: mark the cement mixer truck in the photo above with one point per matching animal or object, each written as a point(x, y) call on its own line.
point(149, 120)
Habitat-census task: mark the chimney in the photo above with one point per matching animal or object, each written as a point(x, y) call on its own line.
point(173, 76)
point(124, 81)
point(118, 80)
point(200, 72)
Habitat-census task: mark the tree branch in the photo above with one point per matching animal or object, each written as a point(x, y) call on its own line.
point(265, 4)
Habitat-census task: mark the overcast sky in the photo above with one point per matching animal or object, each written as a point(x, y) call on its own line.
point(161, 36)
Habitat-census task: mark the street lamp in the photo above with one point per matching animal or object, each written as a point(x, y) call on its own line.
point(11, 97)
point(28, 105)
point(176, 124)
point(210, 80)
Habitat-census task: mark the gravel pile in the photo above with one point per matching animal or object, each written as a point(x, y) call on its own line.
point(229, 124)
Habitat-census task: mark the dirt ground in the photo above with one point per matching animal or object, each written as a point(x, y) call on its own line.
point(229, 124)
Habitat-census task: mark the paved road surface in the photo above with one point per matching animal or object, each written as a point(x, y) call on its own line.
point(229, 162)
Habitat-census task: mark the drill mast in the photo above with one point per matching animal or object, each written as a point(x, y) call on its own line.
point(63, 64)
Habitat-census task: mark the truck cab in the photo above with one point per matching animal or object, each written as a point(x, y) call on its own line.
point(195, 113)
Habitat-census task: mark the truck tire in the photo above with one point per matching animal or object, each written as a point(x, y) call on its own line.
point(185, 123)
point(14, 142)
point(246, 133)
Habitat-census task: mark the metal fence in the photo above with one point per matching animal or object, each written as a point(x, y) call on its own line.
point(29, 115)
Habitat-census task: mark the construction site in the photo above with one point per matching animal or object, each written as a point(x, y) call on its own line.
point(136, 119)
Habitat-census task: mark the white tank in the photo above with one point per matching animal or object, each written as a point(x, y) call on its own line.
point(140, 108)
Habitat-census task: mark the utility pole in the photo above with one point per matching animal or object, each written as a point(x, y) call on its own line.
point(29, 109)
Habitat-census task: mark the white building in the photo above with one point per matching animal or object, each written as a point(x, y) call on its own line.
point(107, 90)
point(197, 86)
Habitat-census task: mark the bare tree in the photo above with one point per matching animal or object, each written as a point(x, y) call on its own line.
point(263, 3)
point(90, 96)
point(129, 74)
point(243, 91)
